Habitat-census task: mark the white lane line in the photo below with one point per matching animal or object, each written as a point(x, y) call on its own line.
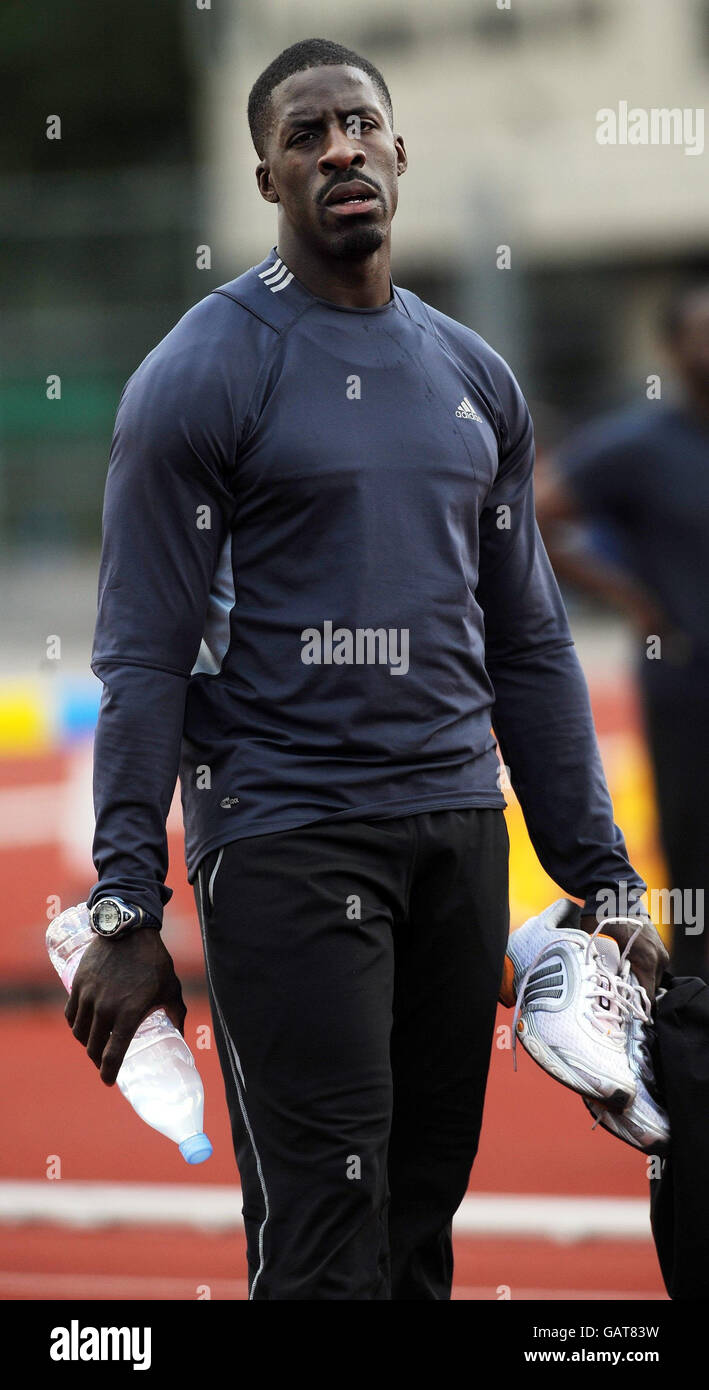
point(42, 1284)
point(556, 1218)
point(218, 1208)
point(30, 815)
point(476, 1293)
point(95, 1287)
point(36, 814)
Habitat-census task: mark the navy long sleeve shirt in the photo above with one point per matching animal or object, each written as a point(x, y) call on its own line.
point(322, 583)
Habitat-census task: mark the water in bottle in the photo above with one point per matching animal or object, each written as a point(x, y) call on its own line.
point(158, 1075)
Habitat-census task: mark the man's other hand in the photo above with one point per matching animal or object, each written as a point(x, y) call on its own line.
point(647, 955)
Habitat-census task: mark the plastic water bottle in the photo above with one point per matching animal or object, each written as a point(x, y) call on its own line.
point(158, 1076)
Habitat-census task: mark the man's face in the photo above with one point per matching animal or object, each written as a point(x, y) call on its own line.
point(690, 348)
point(330, 129)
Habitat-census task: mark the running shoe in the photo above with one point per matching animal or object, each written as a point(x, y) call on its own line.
point(571, 1009)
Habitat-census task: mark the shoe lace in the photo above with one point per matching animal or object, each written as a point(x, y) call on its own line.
point(640, 1008)
point(608, 1006)
point(635, 1003)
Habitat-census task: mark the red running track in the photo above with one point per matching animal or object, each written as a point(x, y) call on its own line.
point(536, 1139)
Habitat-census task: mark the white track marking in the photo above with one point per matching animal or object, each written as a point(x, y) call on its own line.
point(95, 1287)
point(215, 1207)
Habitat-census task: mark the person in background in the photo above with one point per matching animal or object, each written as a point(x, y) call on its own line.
point(638, 481)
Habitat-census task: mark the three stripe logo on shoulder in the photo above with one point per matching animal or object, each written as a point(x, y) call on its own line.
point(276, 276)
point(466, 411)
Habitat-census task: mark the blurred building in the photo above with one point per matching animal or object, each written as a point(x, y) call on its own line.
point(499, 110)
point(498, 107)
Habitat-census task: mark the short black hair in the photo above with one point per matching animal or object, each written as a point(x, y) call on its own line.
point(678, 305)
point(307, 53)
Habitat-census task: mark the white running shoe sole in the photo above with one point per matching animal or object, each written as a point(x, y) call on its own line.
point(638, 1125)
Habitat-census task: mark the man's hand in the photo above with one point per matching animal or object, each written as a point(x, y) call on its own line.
point(647, 955)
point(118, 983)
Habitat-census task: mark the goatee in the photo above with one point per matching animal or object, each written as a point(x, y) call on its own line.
point(355, 243)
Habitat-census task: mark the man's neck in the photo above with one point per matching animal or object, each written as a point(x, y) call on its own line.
point(353, 284)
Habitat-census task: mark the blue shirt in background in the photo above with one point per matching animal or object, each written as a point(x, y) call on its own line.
point(645, 472)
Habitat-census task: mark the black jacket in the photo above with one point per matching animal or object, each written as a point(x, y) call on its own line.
point(679, 1198)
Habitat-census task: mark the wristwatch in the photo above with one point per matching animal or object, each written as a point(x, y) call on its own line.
point(114, 917)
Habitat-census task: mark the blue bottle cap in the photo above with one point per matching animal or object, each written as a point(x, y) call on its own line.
point(196, 1149)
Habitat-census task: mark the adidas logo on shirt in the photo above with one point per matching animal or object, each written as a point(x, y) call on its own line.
point(465, 411)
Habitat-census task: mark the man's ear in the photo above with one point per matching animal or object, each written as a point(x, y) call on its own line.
point(401, 156)
point(265, 186)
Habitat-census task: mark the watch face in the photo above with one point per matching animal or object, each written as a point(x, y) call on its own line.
point(107, 917)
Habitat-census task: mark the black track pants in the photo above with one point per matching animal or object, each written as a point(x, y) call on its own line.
point(353, 970)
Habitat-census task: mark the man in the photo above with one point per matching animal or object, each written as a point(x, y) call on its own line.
point(326, 483)
point(642, 476)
